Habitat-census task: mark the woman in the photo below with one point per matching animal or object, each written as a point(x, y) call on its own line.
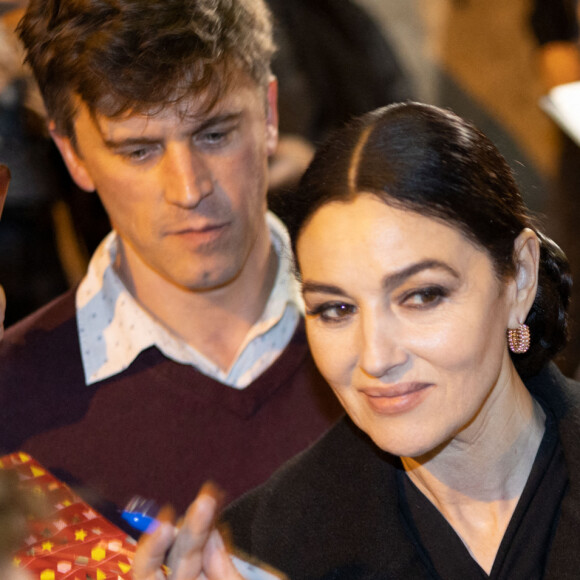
point(433, 308)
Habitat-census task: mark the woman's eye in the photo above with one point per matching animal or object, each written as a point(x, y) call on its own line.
point(332, 311)
point(424, 297)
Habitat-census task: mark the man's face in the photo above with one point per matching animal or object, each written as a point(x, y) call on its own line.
point(185, 188)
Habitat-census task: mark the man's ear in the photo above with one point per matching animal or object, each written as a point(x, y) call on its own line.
point(527, 260)
point(272, 116)
point(72, 159)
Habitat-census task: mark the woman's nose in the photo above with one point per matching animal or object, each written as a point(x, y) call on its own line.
point(381, 352)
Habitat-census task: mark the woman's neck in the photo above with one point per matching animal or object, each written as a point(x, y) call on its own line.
point(476, 479)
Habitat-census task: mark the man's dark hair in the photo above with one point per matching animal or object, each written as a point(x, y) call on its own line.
point(140, 56)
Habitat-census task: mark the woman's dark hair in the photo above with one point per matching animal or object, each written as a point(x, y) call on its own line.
point(427, 160)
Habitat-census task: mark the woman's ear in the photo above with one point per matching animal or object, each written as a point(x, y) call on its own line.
point(527, 260)
point(72, 159)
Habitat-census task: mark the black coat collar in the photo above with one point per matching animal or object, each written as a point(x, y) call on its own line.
point(562, 397)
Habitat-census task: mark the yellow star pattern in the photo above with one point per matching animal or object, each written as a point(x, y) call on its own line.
point(98, 554)
point(124, 567)
point(111, 558)
point(37, 471)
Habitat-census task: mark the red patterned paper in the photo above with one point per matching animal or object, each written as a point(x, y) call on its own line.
point(74, 542)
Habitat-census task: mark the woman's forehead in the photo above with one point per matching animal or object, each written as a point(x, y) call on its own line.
point(368, 227)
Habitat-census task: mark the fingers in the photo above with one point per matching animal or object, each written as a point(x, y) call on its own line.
point(186, 557)
point(151, 552)
point(196, 552)
point(217, 561)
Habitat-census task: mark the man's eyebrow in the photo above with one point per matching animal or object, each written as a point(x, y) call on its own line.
point(389, 282)
point(143, 140)
point(128, 142)
point(218, 120)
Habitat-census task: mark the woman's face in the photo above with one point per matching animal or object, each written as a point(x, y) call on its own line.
point(406, 320)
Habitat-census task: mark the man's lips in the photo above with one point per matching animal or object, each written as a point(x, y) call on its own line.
point(396, 398)
point(198, 232)
point(198, 228)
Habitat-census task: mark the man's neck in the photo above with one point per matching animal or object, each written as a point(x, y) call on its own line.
point(215, 322)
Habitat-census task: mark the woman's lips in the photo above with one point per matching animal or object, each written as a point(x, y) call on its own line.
point(394, 399)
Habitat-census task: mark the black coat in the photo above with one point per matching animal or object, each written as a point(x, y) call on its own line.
point(332, 512)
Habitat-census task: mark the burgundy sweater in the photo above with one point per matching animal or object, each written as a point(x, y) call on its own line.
point(159, 429)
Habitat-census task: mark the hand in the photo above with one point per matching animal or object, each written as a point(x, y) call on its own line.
point(197, 550)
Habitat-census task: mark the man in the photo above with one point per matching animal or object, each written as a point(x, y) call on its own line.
point(181, 356)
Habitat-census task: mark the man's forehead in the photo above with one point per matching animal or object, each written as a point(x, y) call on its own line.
point(239, 91)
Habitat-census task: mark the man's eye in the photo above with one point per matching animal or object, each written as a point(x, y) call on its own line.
point(213, 138)
point(138, 155)
point(424, 297)
point(216, 136)
point(332, 311)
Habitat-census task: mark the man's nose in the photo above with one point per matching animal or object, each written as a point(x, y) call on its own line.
point(188, 178)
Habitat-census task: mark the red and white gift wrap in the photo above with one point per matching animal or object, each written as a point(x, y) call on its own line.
point(74, 542)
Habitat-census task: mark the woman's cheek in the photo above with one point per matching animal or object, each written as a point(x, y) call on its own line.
point(333, 351)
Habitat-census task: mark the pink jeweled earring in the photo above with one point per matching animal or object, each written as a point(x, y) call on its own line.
point(519, 338)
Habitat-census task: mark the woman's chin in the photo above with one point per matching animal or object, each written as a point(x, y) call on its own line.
point(403, 444)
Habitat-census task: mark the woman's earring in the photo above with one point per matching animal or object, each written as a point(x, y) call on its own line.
point(519, 339)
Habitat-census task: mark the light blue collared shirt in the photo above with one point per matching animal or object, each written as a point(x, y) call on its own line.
point(114, 328)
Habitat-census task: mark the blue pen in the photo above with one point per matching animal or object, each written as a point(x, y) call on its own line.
point(141, 513)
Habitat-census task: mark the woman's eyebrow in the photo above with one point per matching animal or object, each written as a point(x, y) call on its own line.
point(321, 288)
point(389, 282)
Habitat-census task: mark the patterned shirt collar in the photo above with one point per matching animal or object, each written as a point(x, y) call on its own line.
point(114, 328)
